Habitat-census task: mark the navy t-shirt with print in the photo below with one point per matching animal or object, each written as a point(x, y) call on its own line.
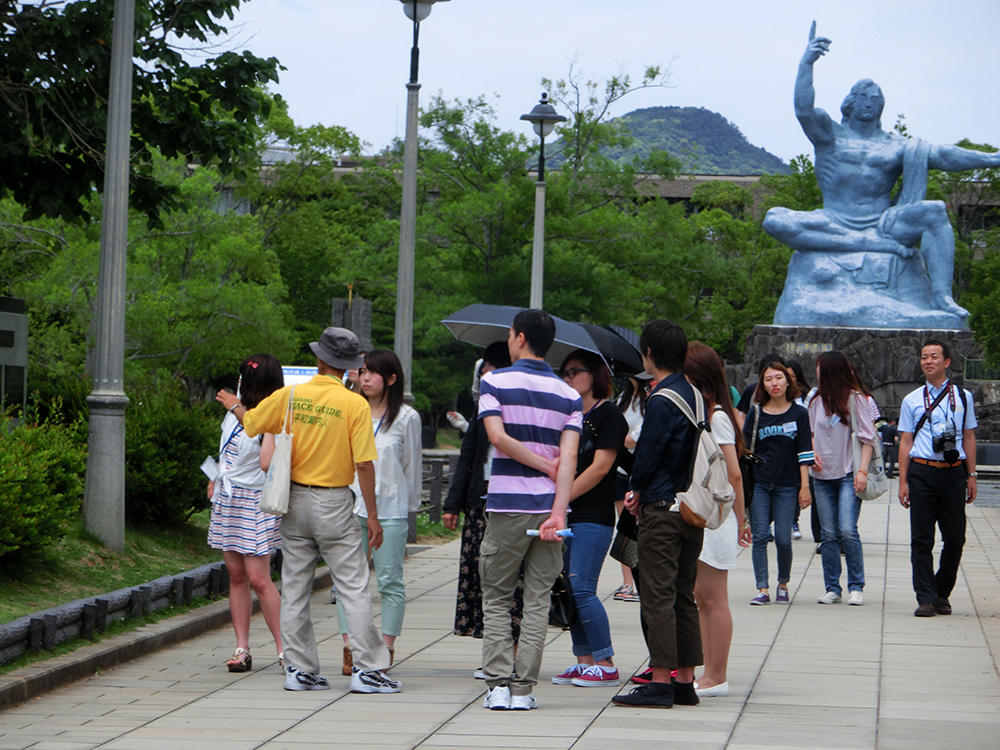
point(784, 442)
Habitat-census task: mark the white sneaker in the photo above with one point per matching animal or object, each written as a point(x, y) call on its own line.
point(296, 679)
point(830, 597)
point(497, 699)
point(523, 702)
point(373, 682)
point(856, 598)
point(479, 674)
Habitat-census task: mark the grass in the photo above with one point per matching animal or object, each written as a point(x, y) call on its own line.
point(80, 566)
point(447, 437)
point(434, 533)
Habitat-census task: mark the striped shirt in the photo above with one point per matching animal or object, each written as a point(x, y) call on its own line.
point(536, 408)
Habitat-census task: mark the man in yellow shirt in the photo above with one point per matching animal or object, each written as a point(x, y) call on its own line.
point(333, 437)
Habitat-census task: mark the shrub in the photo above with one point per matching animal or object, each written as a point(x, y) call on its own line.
point(41, 483)
point(166, 439)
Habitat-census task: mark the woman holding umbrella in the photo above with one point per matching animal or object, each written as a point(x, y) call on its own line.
point(592, 518)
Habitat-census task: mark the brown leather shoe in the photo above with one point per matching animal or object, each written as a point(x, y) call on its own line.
point(926, 609)
point(943, 607)
point(348, 667)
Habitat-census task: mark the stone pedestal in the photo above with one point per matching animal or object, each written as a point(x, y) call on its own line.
point(888, 359)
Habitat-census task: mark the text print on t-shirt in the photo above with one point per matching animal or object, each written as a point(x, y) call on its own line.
point(788, 429)
point(318, 415)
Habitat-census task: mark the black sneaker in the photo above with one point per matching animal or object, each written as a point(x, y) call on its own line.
point(373, 682)
point(653, 695)
point(684, 694)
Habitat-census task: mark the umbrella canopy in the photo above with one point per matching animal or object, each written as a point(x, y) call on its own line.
point(622, 356)
point(484, 324)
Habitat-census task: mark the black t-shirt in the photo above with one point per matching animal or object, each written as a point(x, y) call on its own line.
point(604, 428)
point(784, 442)
point(746, 399)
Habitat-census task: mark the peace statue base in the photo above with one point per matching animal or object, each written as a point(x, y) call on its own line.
point(868, 289)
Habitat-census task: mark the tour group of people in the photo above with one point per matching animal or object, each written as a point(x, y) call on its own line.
point(550, 467)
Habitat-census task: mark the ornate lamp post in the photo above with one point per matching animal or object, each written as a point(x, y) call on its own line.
point(416, 11)
point(543, 119)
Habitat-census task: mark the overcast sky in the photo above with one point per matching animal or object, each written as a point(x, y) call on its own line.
point(348, 60)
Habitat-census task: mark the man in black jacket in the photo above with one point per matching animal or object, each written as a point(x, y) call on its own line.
point(668, 545)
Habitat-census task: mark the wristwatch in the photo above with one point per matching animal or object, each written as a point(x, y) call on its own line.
point(973, 474)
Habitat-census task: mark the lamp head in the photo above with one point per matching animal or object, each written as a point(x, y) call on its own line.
point(543, 117)
point(418, 10)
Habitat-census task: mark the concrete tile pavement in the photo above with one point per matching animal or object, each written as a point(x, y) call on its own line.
point(802, 676)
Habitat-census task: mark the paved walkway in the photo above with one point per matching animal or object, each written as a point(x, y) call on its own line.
point(803, 676)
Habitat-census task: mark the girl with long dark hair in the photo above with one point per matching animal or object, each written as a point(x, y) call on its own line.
point(839, 408)
point(237, 526)
point(398, 478)
point(704, 370)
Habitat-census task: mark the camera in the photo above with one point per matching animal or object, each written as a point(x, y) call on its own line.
point(945, 443)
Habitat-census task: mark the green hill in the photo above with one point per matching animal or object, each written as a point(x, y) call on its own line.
point(705, 141)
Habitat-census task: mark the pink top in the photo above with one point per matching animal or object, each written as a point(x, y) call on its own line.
point(832, 438)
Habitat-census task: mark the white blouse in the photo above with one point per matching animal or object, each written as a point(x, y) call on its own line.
point(398, 468)
point(245, 471)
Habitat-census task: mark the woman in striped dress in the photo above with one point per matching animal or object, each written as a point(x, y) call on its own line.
point(245, 535)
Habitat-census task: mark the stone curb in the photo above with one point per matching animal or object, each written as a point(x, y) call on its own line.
point(45, 676)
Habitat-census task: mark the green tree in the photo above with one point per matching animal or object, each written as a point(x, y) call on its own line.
point(54, 87)
point(202, 293)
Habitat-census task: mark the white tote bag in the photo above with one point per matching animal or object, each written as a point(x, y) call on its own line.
point(274, 499)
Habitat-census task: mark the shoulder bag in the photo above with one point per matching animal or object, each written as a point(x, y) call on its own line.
point(274, 498)
point(878, 482)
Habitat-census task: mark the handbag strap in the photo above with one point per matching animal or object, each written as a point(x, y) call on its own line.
point(756, 421)
point(289, 414)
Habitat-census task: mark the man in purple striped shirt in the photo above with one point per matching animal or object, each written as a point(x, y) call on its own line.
point(533, 420)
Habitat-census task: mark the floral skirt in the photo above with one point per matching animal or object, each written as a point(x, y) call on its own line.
point(469, 605)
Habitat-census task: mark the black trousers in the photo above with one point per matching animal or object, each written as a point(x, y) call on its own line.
point(668, 565)
point(937, 496)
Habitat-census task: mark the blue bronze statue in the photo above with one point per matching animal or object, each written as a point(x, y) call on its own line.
point(856, 261)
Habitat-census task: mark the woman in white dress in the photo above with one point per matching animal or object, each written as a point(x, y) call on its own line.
point(721, 546)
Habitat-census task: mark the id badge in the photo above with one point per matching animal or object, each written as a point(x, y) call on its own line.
point(834, 420)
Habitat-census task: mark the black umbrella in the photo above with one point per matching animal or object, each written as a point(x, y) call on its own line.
point(484, 324)
point(621, 355)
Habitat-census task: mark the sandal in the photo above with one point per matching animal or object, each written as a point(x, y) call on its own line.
point(241, 661)
point(626, 594)
point(621, 592)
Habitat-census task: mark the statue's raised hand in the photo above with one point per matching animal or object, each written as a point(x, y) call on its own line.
point(817, 47)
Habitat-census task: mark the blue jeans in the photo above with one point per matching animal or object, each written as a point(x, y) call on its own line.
point(775, 502)
point(583, 558)
point(838, 509)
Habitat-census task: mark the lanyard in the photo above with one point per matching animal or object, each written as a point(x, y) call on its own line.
point(229, 440)
point(598, 403)
point(379, 426)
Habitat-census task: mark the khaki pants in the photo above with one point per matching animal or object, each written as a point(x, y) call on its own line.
point(505, 545)
point(320, 521)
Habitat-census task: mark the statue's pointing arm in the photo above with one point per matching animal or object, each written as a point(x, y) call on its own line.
point(954, 158)
point(816, 123)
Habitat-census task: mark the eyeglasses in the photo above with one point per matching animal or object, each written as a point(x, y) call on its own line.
point(572, 372)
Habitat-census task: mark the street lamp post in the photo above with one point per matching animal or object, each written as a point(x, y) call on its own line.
point(104, 491)
point(416, 11)
point(543, 119)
